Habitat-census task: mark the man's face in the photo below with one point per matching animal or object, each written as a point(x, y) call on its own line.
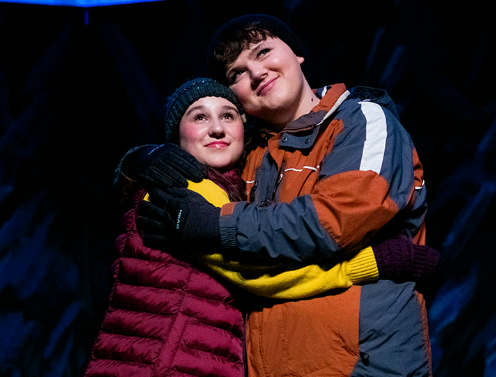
point(268, 81)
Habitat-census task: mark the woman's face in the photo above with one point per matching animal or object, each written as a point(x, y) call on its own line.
point(212, 131)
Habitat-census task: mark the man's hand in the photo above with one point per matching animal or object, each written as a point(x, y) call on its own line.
point(163, 166)
point(179, 213)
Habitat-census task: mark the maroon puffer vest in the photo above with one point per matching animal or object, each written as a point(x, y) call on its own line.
point(165, 317)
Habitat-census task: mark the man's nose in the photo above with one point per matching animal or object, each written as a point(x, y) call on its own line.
point(258, 73)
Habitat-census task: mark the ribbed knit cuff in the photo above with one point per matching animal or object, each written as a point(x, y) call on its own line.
point(426, 263)
point(362, 267)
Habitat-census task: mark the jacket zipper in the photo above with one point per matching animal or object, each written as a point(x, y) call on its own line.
point(279, 179)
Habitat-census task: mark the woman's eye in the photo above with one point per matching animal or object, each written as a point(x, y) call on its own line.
point(228, 116)
point(199, 117)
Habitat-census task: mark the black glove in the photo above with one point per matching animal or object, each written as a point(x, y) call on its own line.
point(161, 165)
point(180, 213)
point(399, 259)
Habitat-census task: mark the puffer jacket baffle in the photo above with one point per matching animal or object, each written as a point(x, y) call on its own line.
point(166, 317)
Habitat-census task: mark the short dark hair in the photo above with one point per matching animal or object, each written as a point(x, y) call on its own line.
point(239, 33)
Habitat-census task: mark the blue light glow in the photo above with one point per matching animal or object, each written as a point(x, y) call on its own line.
point(79, 3)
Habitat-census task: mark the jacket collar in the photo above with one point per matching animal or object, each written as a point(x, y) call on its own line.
point(302, 132)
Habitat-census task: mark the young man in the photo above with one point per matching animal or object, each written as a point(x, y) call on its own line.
point(333, 171)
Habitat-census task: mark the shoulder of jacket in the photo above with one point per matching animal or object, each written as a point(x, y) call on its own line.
point(375, 95)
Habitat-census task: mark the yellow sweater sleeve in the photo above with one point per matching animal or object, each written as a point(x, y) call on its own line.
point(284, 281)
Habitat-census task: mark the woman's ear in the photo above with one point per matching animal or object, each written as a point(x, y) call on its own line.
point(301, 59)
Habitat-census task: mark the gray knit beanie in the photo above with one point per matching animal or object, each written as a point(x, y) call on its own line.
point(187, 94)
point(229, 41)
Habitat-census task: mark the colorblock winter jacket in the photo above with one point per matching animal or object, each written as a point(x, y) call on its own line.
point(333, 181)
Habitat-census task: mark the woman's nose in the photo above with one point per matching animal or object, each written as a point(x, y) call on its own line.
point(217, 129)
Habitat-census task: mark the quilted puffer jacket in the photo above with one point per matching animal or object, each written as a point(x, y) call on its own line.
point(166, 317)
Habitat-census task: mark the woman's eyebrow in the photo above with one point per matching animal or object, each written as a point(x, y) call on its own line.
point(191, 109)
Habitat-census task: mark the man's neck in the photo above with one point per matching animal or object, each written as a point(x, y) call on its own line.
point(307, 101)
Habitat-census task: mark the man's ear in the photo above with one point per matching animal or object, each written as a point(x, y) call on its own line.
point(301, 59)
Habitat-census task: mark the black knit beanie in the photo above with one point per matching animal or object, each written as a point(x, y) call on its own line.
point(188, 93)
point(236, 30)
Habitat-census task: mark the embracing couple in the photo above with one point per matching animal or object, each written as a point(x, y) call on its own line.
point(278, 232)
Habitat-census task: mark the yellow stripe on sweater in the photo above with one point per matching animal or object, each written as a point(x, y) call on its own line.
point(280, 281)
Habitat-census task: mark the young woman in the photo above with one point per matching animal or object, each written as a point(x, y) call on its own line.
point(168, 315)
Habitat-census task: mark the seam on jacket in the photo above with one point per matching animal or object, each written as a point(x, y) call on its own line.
point(174, 351)
point(425, 325)
point(130, 336)
point(134, 363)
point(187, 294)
point(262, 356)
point(229, 330)
point(164, 315)
point(234, 360)
point(175, 369)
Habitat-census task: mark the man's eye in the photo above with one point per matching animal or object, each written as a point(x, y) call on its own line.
point(235, 77)
point(263, 51)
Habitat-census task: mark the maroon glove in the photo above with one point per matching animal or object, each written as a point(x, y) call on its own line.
point(399, 259)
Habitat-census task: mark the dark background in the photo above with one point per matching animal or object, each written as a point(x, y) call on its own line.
point(79, 87)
